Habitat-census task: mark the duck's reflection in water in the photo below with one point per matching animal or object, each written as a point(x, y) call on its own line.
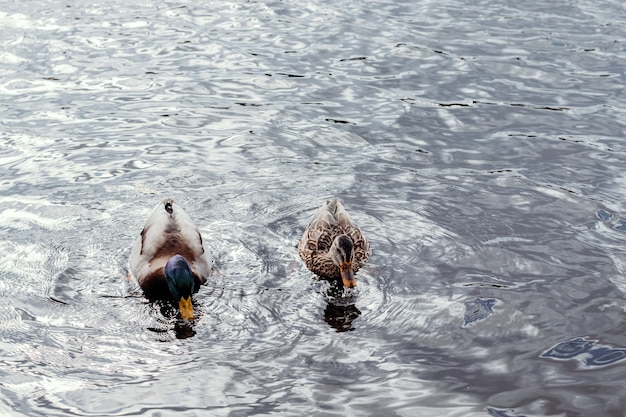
point(340, 310)
point(182, 328)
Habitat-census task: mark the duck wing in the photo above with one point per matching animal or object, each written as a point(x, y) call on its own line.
point(169, 231)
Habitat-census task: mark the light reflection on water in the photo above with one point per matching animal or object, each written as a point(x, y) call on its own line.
point(479, 146)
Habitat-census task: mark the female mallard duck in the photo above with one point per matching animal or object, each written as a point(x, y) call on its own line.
point(168, 258)
point(332, 246)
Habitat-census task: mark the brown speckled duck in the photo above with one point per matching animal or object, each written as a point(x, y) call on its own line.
point(332, 246)
point(168, 258)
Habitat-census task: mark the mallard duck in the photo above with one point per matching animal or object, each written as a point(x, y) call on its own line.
point(168, 258)
point(332, 246)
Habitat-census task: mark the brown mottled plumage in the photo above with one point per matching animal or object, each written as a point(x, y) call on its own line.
point(330, 222)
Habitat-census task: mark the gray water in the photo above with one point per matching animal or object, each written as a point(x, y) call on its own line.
point(479, 145)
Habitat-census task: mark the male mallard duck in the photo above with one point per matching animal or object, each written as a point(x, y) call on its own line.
point(332, 246)
point(168, 258)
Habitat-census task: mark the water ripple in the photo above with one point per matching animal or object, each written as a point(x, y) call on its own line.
point(589, 353)
point(479, 146)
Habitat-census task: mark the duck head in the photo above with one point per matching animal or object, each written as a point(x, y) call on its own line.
point(181, 284)
point(342, 254)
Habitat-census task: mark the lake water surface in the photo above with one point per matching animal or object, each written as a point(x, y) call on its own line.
point(478, 144)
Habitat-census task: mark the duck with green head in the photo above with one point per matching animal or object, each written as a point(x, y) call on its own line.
point(332, 245)
point(168, 258)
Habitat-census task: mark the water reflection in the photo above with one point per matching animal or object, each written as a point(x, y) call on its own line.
point(588, 352)
point(340, 317)
point(611, 220)
point(477, 310)
point(340, 309)
point(495, 412)
point(182, 328)
point(486, 160)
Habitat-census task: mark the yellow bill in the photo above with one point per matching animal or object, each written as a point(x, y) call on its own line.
point(186, 308)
